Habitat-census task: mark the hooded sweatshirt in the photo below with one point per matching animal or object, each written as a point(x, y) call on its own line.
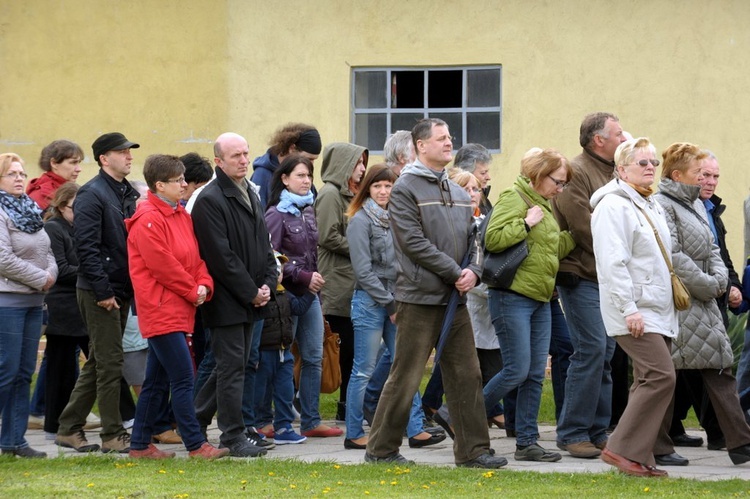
point(43, 189)
point(263, 168)
point(339, 160)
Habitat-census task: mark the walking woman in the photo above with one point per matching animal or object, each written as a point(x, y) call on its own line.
point(27, 271)
point(521, 314)
point(702, 342)
point(169, 281)
point(629, 229)
point(290, 219)
point(373, 304)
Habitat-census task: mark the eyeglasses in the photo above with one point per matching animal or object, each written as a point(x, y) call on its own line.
point(14, 175)
point(472, 190)
point(644, 162)
point(175, 180)
point(558, 183)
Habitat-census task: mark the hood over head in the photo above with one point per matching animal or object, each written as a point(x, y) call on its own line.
point(339, 160)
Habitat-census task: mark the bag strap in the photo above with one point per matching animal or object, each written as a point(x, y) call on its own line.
point(658, 241)
point(686, 206)
point(525, 198)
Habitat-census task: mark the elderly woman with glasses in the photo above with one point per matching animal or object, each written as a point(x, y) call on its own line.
point(169, 281)
point(628, 227)
point(521, 313)
point(27, 271)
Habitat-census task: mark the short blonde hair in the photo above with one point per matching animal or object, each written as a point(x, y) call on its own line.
point(6, 159)
point(538, 164)
point(678, 157)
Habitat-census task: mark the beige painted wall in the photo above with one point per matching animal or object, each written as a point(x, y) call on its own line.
point(174, 74)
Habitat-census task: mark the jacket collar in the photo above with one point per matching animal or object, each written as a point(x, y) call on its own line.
point(231, 189)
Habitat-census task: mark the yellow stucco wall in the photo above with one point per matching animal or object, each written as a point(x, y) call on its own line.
point(174, 74)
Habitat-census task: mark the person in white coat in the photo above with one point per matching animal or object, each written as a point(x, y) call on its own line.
point(636, 303)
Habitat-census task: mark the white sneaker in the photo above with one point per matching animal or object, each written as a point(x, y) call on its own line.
point(128, 424)
point(92, 422)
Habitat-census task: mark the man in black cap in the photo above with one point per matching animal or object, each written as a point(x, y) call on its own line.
point(104, 293)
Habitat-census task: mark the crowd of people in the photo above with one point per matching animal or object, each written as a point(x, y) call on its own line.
point(215, 273)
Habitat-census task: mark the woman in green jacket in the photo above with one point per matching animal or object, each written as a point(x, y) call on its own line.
point(521, 313)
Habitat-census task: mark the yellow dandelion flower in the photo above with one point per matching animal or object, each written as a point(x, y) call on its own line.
point(425, 486)
point(336, 466)
point(292, 486)
point(367, 492)
point(243, 482)
point(27, 474)
point(181, 472)
point(394, 482)
point(163, 472)
point(647, 489)
point(90, 485)
point(271, 473)
point(489, 474)
point(382, 482)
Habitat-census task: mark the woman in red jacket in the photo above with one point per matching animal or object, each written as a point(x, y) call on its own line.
point(61, 162)
point(170, 280)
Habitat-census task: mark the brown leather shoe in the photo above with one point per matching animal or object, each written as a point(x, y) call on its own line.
point(625, 465)
point(150, 452)
point(657, 473)
point(167, 437)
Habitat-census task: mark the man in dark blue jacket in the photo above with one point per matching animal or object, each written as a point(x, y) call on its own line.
point(234, 242)
point(104, 292)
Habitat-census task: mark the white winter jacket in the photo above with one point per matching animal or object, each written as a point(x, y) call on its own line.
point(633, 276)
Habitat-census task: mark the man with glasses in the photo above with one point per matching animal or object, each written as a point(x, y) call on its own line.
point(104, 292)
point(586, 412)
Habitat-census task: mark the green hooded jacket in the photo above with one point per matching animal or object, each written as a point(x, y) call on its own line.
point(339, 160)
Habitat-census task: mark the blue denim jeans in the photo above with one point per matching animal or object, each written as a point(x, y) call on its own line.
point(371, 325)
point(309, 336)
point(275, 379)
point(20, 330)
point(169, 368)
point(523, 328)
point(36, 406)
point(377, 379)
point(560, 350)
point(588, 390)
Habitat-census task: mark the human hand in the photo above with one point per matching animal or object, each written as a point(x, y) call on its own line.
point(466, 281)
point(393, 318)
point(49, 283)
point(109, 304)
point(202, 293)
point(534, 215)
point(735, 297)
point(316, 283)
point(635, 324)
point(263, 296)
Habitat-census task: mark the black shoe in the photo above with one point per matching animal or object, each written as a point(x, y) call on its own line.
point(442, 418)
point(25, 452)
point(717, 444)
point(673, 459)
point(510, 433)
point(434, 430)
point(740, 454)
point(243, 448)
point(369, 416)
point(487, 461)
point(257, 439)
point(391, 458)
point(416, 443)
point(351, 444)
point(686, 440)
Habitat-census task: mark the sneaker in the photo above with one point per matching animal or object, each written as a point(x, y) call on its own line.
point(128, 423)
point(486, 461)
point(257, 439)
point(243, 448)
point(76, 441)
point(150, 452)
point(35, 423)
point(120, 443)
point(535, 452)
point(584, 450)
point(288, 436)
point(391, 458)
point(26, 452)
point(208, 451)
point(92, 422)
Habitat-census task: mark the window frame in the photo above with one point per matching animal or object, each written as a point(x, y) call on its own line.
point(426, 111)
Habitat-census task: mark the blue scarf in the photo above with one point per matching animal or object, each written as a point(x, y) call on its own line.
point(378, 215)
point(291, 203)
point(22, 211)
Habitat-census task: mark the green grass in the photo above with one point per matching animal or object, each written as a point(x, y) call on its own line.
point(99, 476)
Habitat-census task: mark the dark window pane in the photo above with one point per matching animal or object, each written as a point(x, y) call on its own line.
point(483, 88)
point(370, 89)
point(483, 128)
point(407, 89)
point(454, 126)
point(404, 121)
point(444, 89)
point(369, 131)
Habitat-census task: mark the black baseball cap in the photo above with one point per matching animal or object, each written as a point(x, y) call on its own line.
point(114, 141)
